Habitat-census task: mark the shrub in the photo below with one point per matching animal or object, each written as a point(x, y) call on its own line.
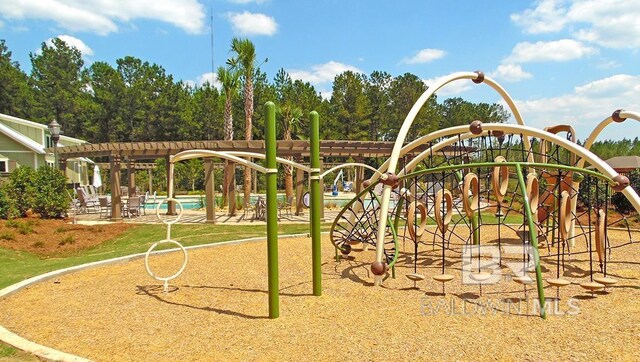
point(67, 240)
point(7, 236)
point(25, 228)
point(42, 191)
point(38, 244)
point(51, 200)
point(12, 224)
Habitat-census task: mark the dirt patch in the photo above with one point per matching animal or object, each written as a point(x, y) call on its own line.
point(54, 237)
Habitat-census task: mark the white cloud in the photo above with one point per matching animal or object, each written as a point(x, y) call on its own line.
point(587, 106)
point(322, 73)
point(608, 23)
point(247, 23)
point(510, 73)
point(558, 51)
point(424, 56)
point(209, 77)
point(449, 89)
point(72, 42)
point(547, 17)
point(102, 17)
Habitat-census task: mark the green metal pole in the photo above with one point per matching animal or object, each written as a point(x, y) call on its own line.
point(533, 236)
point(316, 207)
point(272, 210)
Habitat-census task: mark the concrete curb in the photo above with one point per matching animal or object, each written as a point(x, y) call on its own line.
point(51, 354)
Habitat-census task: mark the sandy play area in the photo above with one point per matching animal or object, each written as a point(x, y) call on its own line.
point(217, 310)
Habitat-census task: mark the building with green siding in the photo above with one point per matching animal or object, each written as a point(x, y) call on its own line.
point(23, 143)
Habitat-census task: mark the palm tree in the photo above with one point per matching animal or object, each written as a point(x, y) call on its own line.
point(230, 81)
point(245, 56)
point(291, 121)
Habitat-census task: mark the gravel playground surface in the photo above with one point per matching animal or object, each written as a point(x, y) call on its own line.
point(217, 309)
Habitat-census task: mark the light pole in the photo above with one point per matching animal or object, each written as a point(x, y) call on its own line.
point(54, 130)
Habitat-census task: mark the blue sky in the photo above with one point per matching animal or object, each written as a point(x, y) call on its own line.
point(563, 61)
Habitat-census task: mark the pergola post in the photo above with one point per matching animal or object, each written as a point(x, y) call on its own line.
point(131, 176)
point(114, 174)
point(171, 206)
point(150, 173)
point(231, 184)
point(299, 189)
point(209, 188)
point(359, 176)
point(62, 166)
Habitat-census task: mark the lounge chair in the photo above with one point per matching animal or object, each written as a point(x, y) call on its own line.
point(86, 203)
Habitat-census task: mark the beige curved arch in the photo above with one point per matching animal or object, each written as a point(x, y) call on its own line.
point(352, 164)
point(406, 125)
point(600, 165)
point(186, 155)
point(627, 192)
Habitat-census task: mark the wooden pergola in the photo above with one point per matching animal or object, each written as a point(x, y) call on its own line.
point(138, 154)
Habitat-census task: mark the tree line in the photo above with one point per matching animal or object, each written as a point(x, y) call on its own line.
point(135, 100)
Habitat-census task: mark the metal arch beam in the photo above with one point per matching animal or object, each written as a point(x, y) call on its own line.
point(375, 170)
point(437, 147)
point(404, 130)
point(262, 157)
point(186, 155)
point(628, 192)
point(599, 164)
point(601, 126)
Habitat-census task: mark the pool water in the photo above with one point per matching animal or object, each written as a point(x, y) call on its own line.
point(195, 202)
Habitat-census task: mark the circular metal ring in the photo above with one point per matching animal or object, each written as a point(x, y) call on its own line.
point(533, 193)
point(416, 233)
point(470, 194)
point(167, 200)
point(500, 179)
point(443, 222)
point(146, 260)
point(565, 215)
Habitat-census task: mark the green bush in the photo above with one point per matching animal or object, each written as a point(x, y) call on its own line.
point(51, 199)
point(41, 190)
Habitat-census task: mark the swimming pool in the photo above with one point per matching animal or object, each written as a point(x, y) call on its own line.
point(196, 202)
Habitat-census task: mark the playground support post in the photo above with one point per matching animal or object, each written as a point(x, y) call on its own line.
point(272, 210)
point(316, 203)
point(533, 236)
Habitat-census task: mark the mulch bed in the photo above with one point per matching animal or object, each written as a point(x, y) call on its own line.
point(55, 237)
point(217, 309)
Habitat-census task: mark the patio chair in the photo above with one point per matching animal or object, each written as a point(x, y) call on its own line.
point(105, 206)
point(286, 206)
point(92, 191)
point(86, 203)
point(124, 191)
point(249, 208)
point(133, 206)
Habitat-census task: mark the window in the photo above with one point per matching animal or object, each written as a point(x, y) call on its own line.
point(3, 166)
